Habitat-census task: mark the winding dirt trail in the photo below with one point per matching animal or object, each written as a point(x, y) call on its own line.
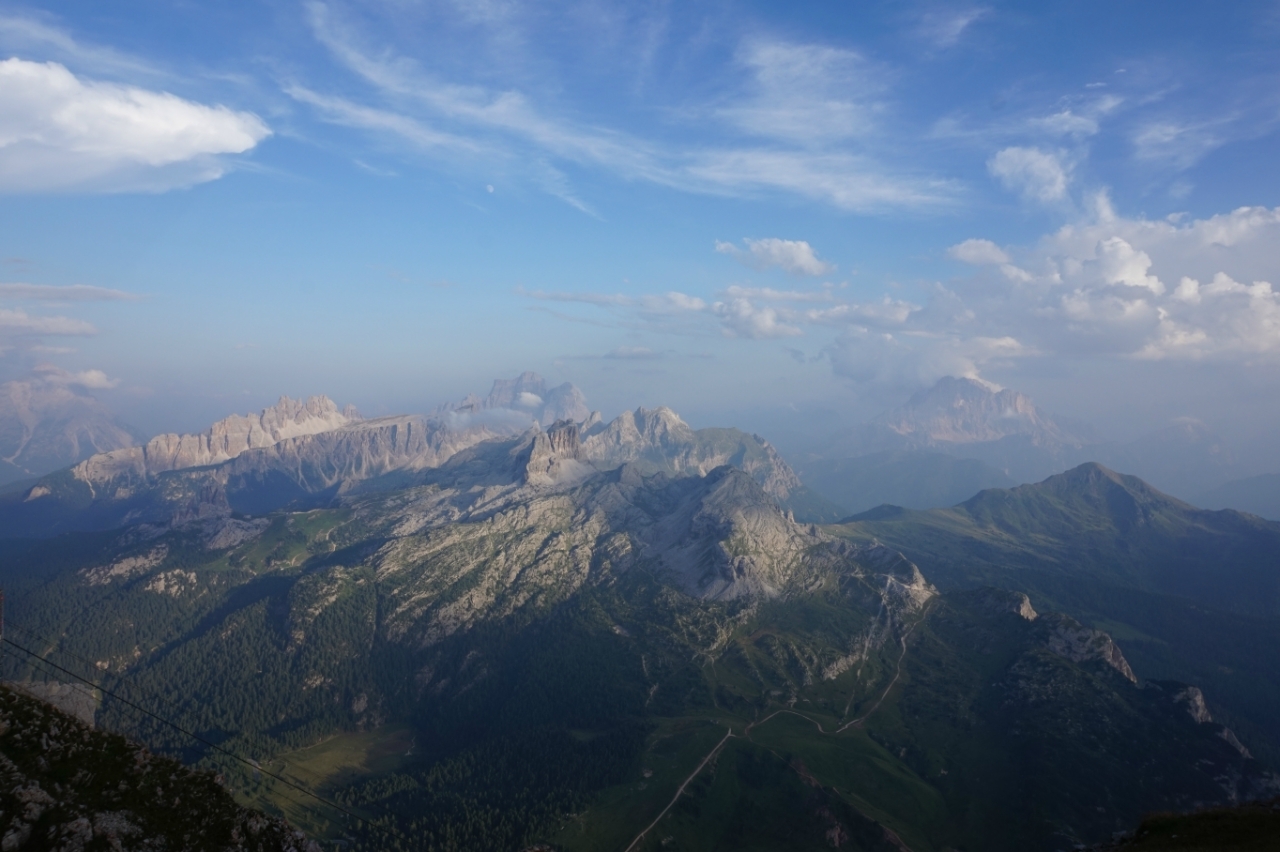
point(680, 791)
point(746, 733)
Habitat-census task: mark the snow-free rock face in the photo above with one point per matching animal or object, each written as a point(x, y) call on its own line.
point(658, 439)
point(46, 426)
point(1070, 639)
point(223, 441)
point(309, 454)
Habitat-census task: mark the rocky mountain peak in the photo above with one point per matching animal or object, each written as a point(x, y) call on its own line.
point(553, 455)
point(224, 440)
point(966, 411)
point(45, 426)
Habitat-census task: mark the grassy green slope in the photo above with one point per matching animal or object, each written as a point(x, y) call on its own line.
point(1189, 594)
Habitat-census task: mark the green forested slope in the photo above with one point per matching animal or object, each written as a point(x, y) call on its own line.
point(65, 786)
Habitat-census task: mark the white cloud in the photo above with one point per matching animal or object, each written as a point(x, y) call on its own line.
point(1100, 288)
point(794, 256)
point(741, 318)
point(1035, 174)
point(89, 379)
point(72, 293)
point(28, 35)
point(886, 312)
point(61, 133)
point(344, 112)
point(15, 322)
point(1179, 144)
point(1066, 123)
point(664, 303)
point(1121, 264)
point(944, 27)
point(805, 103)
point(847, 181)
point(920, 358)
point(806, 93)
point(1097, 288)
point(978, 252)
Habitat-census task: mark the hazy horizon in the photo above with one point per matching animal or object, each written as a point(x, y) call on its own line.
point(786, 221)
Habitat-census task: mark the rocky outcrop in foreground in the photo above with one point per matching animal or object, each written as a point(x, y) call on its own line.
point(67, 787)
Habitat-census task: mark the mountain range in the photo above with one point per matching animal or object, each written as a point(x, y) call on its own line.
point(960, 436)
point(304, 454)
point(480, 631)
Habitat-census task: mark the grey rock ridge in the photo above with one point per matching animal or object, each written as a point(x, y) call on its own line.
point(45, 426)
point(221, 442)
point(309, 453)
point(1068, 638)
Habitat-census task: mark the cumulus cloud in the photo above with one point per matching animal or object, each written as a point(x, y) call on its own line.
point(794, 256)
point(1104, 287)
point(59, 132)
point(978, 252)
point(918, 358)
point(88, 379)
point(1035, 174)
point(528, 400)
point(741, 318)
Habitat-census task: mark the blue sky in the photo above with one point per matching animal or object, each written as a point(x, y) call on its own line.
point(753, 213)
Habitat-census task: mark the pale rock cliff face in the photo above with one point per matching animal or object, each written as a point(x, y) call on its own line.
point(1068, 638)
point(222, 442)
point(728, 540)
point(1193, 698)
point(498, 532)
point(311, 453)
point(660, 439)
point(553, 456)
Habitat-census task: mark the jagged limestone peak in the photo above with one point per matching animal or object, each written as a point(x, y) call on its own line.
point(224, 440)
